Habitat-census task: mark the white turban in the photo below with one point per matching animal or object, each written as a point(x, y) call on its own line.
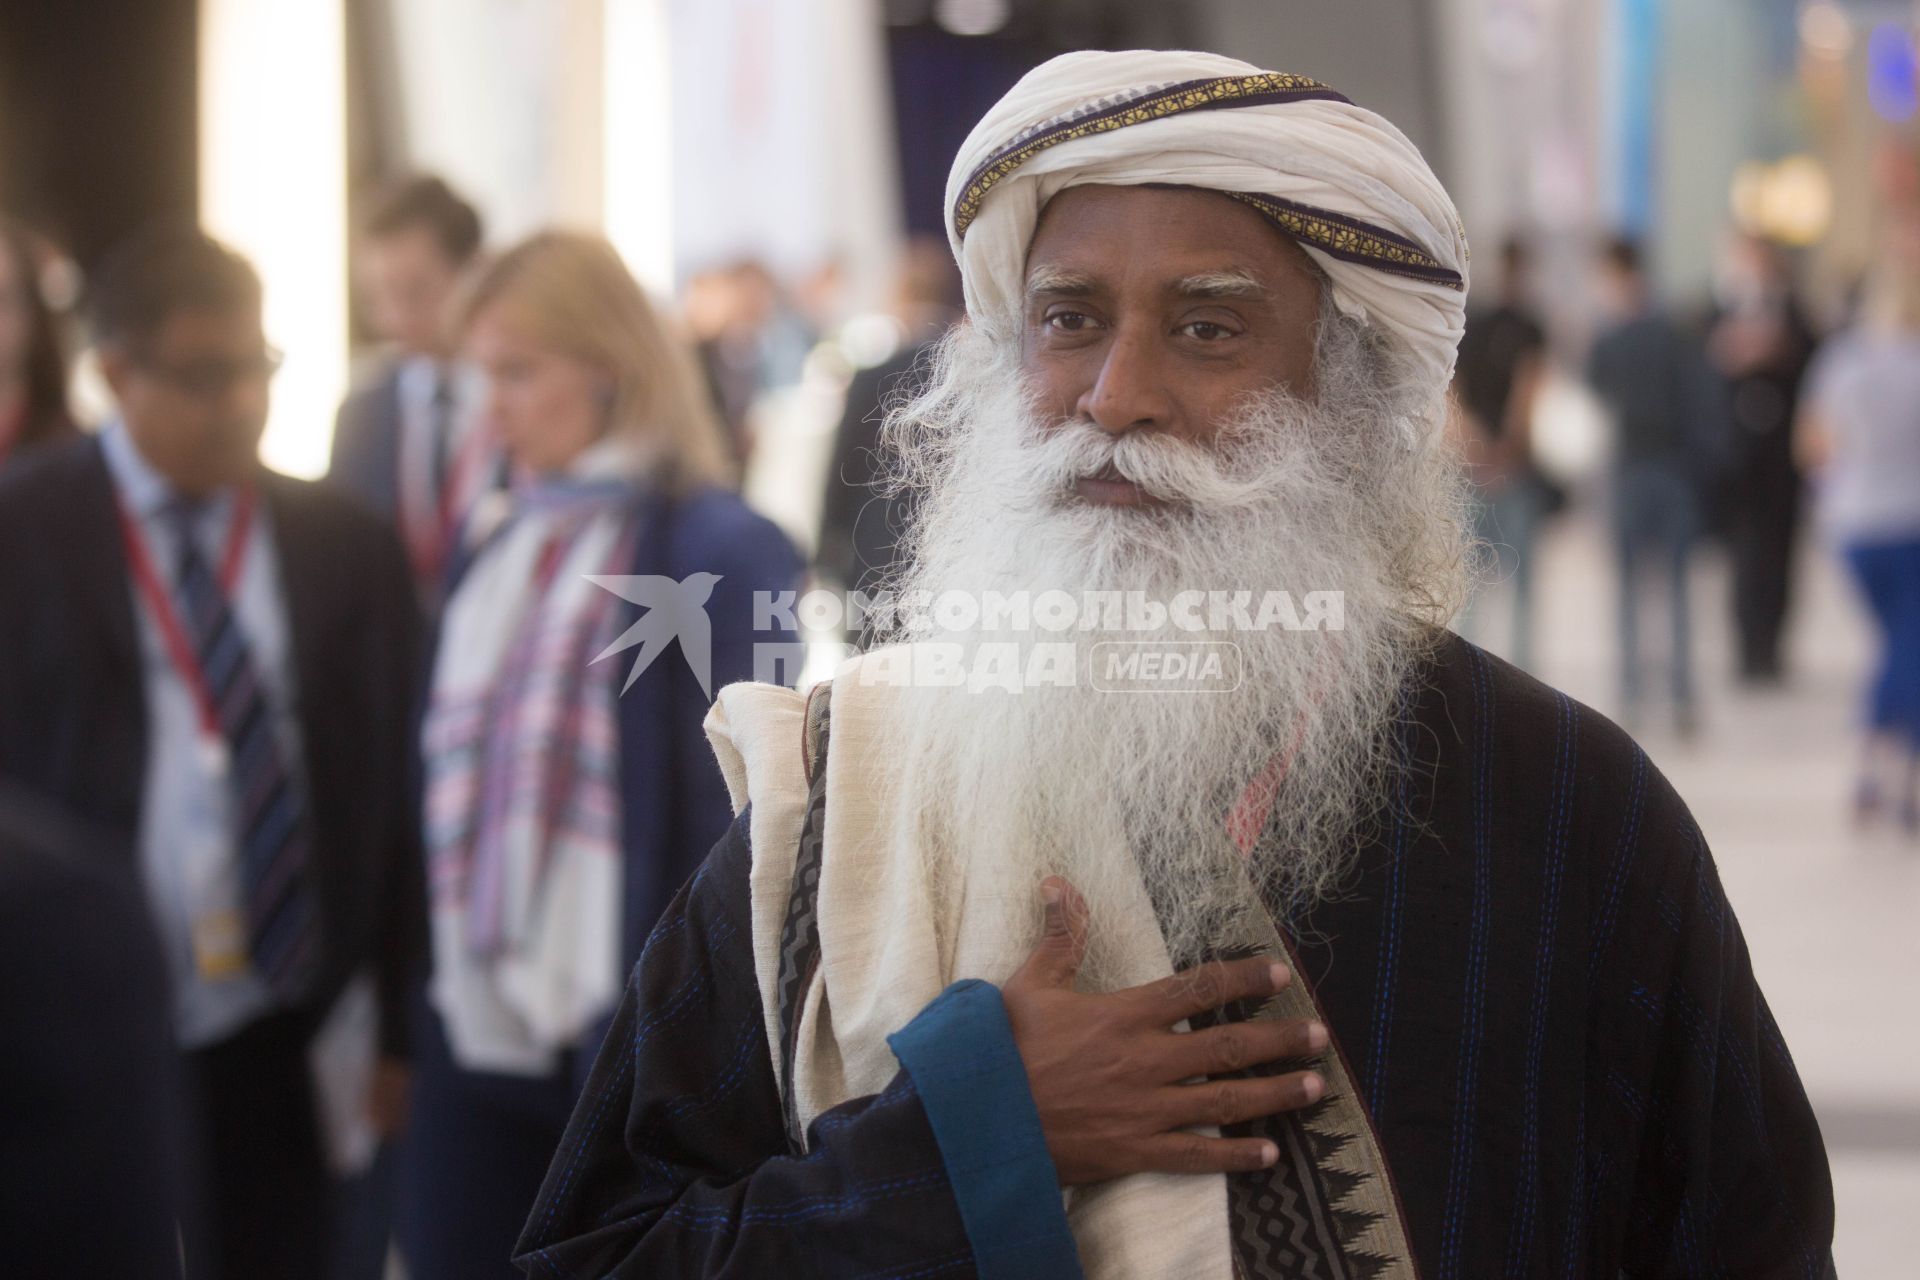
point(1345, 184)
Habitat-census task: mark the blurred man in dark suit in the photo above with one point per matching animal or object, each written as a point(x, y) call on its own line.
point(217, 664)
point(406, 442)
point(1501, 370)
point(861, 519)
point(1761, 340)
point(88, 1075)
point(1670, 432)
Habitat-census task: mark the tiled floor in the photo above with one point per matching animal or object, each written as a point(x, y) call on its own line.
point(1832, 917)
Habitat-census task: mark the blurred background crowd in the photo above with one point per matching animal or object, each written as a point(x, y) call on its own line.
point(461, 237)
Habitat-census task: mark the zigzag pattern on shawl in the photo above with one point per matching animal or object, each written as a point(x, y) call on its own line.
point(800, 934)
point(1327, 1209)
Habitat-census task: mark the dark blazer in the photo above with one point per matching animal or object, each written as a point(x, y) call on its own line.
point(366, 443)
point(861, 526)
point(673, 797)
point(73, 711)
point(48, 427)
point(88, 1076)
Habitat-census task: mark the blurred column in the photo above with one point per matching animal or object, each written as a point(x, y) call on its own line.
point(1527, 123)
point(1635, 99)
point(503, 99)
point(1522, 88)
point(1383, 54)
point(864, 219)
point(638, 135)
point(273, 185)
point(1725, 94)
point(1481, 160)
point(98, 118)
point(782, 139)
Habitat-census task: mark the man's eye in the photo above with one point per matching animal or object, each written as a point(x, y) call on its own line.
point(1206, 331)
point(1068, 321)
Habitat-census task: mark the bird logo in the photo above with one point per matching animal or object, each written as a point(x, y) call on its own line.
point(674, 609)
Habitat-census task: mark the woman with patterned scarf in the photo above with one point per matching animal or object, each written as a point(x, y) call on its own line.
point(568, 788)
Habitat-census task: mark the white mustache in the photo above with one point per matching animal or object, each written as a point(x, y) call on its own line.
point(1165, 467)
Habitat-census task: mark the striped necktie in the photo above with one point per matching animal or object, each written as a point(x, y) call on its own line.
point(270, 829)
point(440, 438)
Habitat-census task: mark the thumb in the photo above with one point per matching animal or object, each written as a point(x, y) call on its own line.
point(1056, 958)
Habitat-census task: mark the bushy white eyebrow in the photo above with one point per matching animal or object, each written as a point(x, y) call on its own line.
point(1054, 280)
point(1233, 283)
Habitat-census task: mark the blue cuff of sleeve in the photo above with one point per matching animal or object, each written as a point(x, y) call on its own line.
point(973, 1087)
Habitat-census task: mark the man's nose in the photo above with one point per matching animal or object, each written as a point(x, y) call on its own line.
point(246, 401)
point(1130, 392)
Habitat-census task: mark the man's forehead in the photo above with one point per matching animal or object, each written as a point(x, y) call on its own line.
point(1225, 279)
point(194, 327)
point(1206, 272)
point(1178, 240)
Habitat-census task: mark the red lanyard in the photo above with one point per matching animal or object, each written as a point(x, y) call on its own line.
point(432, 520)
point(468, 459)
point(160, 601)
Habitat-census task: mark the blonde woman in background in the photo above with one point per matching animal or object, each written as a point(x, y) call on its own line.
point(565, 800)
point(1859, 437)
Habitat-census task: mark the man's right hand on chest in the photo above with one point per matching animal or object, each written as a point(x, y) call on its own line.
point(1114, 1081)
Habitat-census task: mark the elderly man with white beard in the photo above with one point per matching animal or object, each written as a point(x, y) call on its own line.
point(1366, 956)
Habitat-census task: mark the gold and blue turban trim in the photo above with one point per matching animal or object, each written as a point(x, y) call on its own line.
point(1337, 235)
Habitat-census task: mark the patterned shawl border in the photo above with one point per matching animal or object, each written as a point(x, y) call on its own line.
point(800, 933)
point(1210, 94)
point(813, 727)
point(1352, 1206)
point(1343, 1096)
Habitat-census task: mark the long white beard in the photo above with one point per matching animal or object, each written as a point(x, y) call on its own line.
point(1112, 789)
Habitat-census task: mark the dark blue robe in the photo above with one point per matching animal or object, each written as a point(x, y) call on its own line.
point(1535, 977)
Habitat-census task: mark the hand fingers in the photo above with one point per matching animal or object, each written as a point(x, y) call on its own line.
point(1225, 1102)
point(1236, 1046)
point(1191, 1153)
point(1055, 959)
point(1208, 986)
